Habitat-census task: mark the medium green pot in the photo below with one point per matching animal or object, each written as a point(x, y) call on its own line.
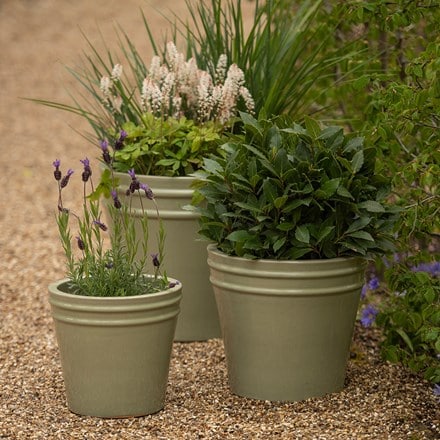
point(287, 325)
point(115, 351)
point(185, 253)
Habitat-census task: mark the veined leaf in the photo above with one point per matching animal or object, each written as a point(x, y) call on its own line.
point(250, 121)
point(328, 188)
point(357, 161)
point(312, 127)
point(362, 235)
point(279, 244)
point(240, 235)
point(302, 234)
point(212, 166)
point(343, 192)
point(358, 224)
point(354, 144)
point(324, 232)
point(372, 206)
point(280, 201)
point(298, 252)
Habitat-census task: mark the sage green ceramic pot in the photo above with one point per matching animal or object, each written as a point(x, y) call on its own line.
point(287, 325)
point(115, 351)
point(185, 253)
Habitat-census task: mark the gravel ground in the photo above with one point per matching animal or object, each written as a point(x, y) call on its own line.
point(380, 401)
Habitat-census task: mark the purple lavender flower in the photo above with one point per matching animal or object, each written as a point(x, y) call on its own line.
point(65, 179)
point(116, 202)
point(57, 173)
point(80, 243)
point(156, 262)
point(135, 184)
point(148, 191)
point(374, 283)
point(105, 152)
point(119, 144)
point(101, 225)
point(436, 390)
point(87, 172)
point(368, 315)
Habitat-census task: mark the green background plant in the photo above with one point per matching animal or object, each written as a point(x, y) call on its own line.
point(410, 316)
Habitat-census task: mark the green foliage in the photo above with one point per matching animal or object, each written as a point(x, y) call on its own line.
point(283, 56)
point(285, 191)
point(410, 318)
point(171, 147)
point(404, 124)
point(117, 269)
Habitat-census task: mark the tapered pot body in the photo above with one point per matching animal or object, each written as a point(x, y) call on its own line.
point(115, 351)
point(287, 325)
point(185, 253)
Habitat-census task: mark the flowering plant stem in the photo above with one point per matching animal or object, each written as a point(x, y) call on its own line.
point(118, 269)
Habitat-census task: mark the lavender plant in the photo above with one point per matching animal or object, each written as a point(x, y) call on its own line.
point(118, 268)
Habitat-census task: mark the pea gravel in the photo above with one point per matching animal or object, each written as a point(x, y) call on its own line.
point(380, 401)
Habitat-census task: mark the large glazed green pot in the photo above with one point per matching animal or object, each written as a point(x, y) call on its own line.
point(185, 253)
point(115, 351)
point(287, 325)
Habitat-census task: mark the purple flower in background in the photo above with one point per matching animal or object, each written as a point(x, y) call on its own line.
point(119, 144)
point(436, 390)
point(105, 152)
point(368, 315)
point(432, 268)
point(134, 185)
point(57, 173)
point(87, 172)
point(364, 291)
point(148, 192)
point(80, 243)
point(156, 262)
point(116, 202)
point(65, 179)
point(374, 283)
point(100, 225)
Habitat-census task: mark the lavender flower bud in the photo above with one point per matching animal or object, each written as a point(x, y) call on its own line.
point(148, 192)
point(119, 144)
point(156, 262)
point(105, 152)
point(101, 225)
point(80, 243)
point(65, 179)
point(57, 172)
point(135, 184)
point(87, 170)
point(116, 202)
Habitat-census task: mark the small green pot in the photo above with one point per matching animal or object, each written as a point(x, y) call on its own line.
point(287, 325)
point(185, 253)
point(115, 351)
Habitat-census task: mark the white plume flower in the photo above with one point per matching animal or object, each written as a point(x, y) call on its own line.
point(116, 72)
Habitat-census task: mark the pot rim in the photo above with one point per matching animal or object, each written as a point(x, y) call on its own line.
point(54, 287)
point(212, 248)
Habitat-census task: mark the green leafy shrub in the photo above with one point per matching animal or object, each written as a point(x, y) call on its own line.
point(285, 191)
point(173, 147)
point(410, 318)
